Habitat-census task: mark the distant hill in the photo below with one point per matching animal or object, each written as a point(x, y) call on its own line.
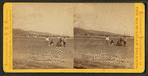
point(81, 31)
point(20, 32)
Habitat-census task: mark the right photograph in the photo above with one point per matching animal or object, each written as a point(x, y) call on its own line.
point(104, 35)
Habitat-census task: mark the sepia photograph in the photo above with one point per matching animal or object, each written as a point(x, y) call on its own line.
point(73, 37)
point(104, 35)
point(42, 35)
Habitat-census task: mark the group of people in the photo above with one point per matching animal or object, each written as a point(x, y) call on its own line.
point(61, 42)
point(120, 42)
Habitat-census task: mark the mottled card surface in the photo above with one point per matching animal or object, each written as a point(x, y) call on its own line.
point(74, 37)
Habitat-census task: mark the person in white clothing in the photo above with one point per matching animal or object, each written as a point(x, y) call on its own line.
point(47, 40)
point(107, 39)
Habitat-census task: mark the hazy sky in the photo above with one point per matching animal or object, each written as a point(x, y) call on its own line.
point(56, 18)
point(111, 17)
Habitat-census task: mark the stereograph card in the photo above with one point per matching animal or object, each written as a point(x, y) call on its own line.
point(74, 37)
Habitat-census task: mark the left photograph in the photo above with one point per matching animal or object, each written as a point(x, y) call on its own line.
point(42, 36)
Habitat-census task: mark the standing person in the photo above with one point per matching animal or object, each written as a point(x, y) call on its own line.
point(125, 40)
point(121, 41)
point(107, 39)
point(64, 40)
point(61, 40)
point(59, 43)
point(47, 40)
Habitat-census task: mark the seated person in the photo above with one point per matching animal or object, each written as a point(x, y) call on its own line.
point(51, 43)
point(112, 42)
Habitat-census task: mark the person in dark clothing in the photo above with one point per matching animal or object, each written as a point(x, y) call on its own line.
point(51, 43)
point(60, 43)
point(125, 40)
point(119, 43)
point(112, 42)
point(61, 40)
point(64, 41)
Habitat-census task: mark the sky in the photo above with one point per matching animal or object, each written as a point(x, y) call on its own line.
point(110, 17)
point(55, 18)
